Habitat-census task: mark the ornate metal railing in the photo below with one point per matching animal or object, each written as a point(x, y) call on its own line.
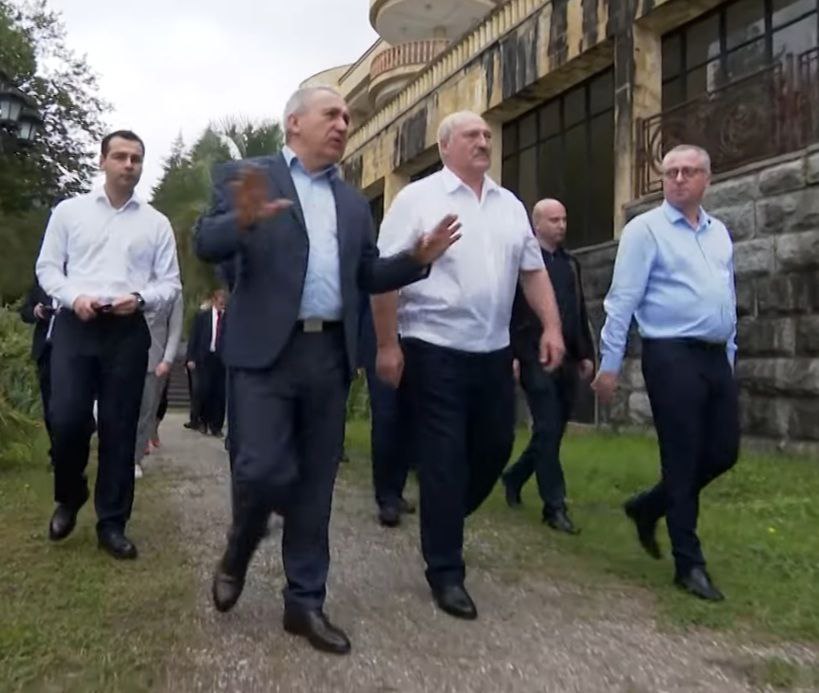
point(771, 112)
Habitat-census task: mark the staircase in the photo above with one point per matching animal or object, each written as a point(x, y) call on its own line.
point(178, 388)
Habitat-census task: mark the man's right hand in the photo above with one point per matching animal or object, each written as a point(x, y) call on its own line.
point(39, 312)
point(85, 307)
point(389, 364)
point(604, 385)
point(250, 198)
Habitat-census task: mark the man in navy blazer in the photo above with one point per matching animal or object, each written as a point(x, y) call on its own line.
point(303, 245)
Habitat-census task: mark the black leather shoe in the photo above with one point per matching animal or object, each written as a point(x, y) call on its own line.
point(512, 493)
point(406, 507)
point(698, 583)
point(217, 433)
point(318, 630)
point(455, 600)
point(191, 425)
point(114, 542)
point(646, 529)
point(226, 589)
point(560, 521)
point(64, 519)
point(389, 515)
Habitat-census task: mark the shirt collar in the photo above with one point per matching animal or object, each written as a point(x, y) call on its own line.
point(293, 162)
point(452, 182)
point(675, 216)
point(100, 196)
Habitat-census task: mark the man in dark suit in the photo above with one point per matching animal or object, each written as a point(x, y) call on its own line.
point(37, 310)
point(205, 361)
point(550, 396)
point(304, 244)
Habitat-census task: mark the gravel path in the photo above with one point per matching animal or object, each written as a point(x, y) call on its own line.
point(532, 634)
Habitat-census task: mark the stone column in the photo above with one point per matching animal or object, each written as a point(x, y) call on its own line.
point(393, 183)
point(497, 150)
point(637, 94)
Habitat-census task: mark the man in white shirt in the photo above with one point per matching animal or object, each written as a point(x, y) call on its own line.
point(165, 325)
point(106, 256)
point(453, 362)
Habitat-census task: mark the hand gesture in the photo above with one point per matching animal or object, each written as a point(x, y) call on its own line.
point(125, 305)
point(551, 349)
point(605, 385)
point(432, 245)
point(85, 307)
point(250, 198)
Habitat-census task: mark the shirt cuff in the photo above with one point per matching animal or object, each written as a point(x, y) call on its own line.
point(610, 363)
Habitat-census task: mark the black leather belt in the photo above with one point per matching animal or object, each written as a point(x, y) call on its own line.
point(318, 325)
point(690, 341)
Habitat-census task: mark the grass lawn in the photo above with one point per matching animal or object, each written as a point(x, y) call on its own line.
point(759, 525)
point(74, 619)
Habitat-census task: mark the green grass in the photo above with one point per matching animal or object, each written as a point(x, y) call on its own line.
point(74, 619)
point(758, 526)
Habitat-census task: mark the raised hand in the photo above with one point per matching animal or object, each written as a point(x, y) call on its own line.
point(432, 245)
point(250, 198)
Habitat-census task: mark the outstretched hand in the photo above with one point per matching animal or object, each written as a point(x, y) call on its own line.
point(432, 245)
point(250, 198)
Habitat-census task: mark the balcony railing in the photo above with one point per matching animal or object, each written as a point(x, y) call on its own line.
point(771, 112)
point(404, 54)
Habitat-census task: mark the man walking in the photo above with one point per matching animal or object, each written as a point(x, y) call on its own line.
point(550, 396)
point(454, 363)
point(165, 326)
point(674, 273)
point(205, 361)
point(304, 241)
point(106, 256)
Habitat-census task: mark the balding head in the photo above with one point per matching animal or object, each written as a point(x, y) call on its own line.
point(549, 221)
point(465, 144)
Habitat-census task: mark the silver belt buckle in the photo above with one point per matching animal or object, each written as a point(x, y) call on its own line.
point(313, 325)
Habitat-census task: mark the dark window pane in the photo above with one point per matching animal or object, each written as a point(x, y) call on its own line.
point(550, 168)
point(509, 173)
point(744, 21)
point(795, 38)
point(577, 180)
point(575, 106)
point(672, 55)
point(673, 93)
point(701, 80)
point(550, 119)
point(743, 61)
point(528, 130)
point(510, 138)
point(785, 11)
point(527, 177)
point(702, 41)
point(377, 211)
point(601, 97)
point(601, 180)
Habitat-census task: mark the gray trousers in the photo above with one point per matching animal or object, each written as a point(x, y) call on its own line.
point(146, 428)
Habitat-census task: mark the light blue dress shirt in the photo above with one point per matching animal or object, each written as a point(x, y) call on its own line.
point(675, 280)
point(321, 297)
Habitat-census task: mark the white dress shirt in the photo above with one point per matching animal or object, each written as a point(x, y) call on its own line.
point(214, 320)
point(466, 302)
point(90, 248)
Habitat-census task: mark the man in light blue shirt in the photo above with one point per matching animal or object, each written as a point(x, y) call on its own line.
point(674, 273)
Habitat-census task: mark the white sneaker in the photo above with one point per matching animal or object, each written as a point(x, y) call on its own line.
point(137, 471)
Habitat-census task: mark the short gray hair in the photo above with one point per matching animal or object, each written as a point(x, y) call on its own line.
point(452, 121)
point(704, 155)
point(300, 99)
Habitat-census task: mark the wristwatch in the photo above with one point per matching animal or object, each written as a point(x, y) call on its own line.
point(140, 300)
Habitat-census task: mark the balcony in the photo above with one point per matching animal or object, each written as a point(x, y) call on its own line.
point(393, 68)
point(771, 112)
point(399, 21)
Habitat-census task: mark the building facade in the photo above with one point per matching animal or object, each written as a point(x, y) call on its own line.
point(584, 97)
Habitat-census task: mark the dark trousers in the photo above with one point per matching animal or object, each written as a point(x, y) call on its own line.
point(461, 413)
point(286, 433)
point(163, 401)
point(44, 378)
point(211, 382)
point(193, 397)
point(550, 397)
point(387, 447)
point(104, 359)
point(694, 402)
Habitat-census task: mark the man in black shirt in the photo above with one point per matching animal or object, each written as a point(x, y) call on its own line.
point(550, 395)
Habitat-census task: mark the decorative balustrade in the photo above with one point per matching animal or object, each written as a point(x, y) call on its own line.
point(406, 54)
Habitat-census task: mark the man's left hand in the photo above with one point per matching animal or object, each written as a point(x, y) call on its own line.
point(551, 349)
point(586, 369)
point(432, 245)
point(162, 370)
point(125, 305)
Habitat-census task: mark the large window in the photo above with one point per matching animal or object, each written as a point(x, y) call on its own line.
point(565, 149)
point(734, 41)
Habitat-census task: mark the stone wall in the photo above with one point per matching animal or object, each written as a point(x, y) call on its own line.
point(772, 212)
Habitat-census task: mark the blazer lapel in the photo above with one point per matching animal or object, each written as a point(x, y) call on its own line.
point(280, 175)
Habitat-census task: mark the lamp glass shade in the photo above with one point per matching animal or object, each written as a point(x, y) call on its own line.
point(11, 104)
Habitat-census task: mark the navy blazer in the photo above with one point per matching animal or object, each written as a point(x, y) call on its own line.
point(271, 263)
point(201, 335)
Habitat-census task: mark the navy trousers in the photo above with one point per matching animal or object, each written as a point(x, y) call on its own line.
point(462, 414)
point(694, 402)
